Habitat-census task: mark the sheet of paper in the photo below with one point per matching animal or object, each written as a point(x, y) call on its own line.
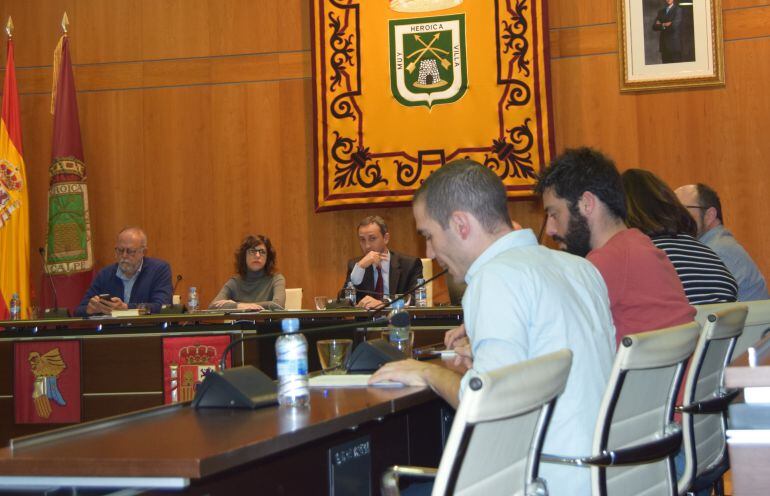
point(348, 380)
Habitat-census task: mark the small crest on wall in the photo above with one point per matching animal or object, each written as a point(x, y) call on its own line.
point(428, 60)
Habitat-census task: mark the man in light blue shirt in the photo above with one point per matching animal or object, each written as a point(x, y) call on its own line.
point(523, 300)
point(706, 208)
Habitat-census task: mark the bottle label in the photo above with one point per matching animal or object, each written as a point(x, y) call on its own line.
point(292, 356)
point(287, 367)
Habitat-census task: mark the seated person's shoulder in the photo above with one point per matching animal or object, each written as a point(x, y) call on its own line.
point(156, 262)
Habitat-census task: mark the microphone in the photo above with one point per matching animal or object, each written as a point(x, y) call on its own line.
point(338, 327)
point(178, 279)
point(41, 250)
point(379, 309)
point(248, 387)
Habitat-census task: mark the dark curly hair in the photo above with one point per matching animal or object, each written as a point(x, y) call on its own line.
point(251, 242)
point(578, 170)
point(653, 208)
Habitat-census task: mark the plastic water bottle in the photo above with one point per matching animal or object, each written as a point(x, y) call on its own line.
point(421, 294)
point(291, 361)
point(15, 307)
point(350, 293)
point(398, 328)
point(192, 300)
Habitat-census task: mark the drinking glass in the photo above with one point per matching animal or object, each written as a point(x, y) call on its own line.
point(321, 302)
point(334, 354)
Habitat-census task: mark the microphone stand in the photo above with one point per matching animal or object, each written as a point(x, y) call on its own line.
point(54, 312)
point(337, 327)
point(374, 315)
point(248, 387)
point(408, 292)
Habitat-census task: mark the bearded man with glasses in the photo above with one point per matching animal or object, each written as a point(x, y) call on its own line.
point(132, 280)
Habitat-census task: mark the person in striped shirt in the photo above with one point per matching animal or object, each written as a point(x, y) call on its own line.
point(654, 209)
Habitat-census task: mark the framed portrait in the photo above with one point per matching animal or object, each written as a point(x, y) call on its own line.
point(666, 44)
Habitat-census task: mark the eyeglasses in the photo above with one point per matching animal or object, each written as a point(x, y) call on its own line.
point(256, 251)
point(696, 206)
point(127, 251)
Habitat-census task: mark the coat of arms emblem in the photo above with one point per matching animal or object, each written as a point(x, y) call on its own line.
point(427, 60)
point(46, 368)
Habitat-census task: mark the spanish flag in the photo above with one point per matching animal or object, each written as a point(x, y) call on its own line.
point(14, 203)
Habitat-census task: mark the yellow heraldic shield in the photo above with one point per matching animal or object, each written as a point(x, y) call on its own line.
point(46, 369)
point(400, 90)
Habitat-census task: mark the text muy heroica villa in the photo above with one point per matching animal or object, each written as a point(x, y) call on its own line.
point(427, 60)
point(402, 89)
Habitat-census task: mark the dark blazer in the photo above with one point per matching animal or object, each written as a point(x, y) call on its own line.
point(670, 37)
point(153, 286)
point(404, 272)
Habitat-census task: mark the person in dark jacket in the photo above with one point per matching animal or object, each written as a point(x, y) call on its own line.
point(132, 280)
point(669, 24)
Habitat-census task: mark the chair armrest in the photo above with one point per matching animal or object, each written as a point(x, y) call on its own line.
point(631, 455)
point(717, 404)
point(392, 475)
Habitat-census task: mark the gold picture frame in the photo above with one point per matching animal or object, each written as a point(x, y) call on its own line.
point(670, 44)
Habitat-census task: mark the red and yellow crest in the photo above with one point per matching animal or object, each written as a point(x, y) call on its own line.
point(186, 361)
point(47, 382)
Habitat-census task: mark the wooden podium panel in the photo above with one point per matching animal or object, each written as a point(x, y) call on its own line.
point(121, 366)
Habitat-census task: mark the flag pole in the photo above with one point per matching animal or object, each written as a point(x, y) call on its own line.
point(9, 28)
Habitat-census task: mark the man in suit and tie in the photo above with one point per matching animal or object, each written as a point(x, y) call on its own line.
point(669, 24)
point(380, 272)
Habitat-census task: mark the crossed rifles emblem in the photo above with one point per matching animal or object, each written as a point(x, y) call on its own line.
point(427, 48)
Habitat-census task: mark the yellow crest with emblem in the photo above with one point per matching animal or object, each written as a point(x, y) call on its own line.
point(402, 88)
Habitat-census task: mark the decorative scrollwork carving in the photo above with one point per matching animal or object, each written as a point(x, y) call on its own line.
point(407, 173)
point(342, 107)
point(513, 159)
point(354, 168)
point(343, 50)
point(519, 94)
point(514, 39)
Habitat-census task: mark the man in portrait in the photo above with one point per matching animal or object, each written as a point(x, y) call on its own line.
point(669, 24)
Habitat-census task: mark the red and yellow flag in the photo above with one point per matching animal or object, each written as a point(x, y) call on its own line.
point(14, 203)
point(68, 245)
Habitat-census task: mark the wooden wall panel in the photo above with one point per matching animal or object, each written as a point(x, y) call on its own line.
point(569, 14)
point(197, 125)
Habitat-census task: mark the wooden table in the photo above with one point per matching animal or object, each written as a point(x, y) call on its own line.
point(122, 359)
point(213, 451)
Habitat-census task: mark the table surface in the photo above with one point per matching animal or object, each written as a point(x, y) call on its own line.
point(179, 441)
point(213, 318)
point(740, 374)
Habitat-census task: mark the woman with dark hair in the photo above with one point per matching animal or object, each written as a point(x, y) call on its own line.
point(654, 209)
point(257, 286)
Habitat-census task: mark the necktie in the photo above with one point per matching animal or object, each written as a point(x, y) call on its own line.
point(378, 285)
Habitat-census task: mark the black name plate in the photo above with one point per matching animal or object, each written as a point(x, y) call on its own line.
point(350, 468)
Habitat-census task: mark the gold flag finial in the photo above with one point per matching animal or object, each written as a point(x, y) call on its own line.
point(65, 22)
point(9, 27)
